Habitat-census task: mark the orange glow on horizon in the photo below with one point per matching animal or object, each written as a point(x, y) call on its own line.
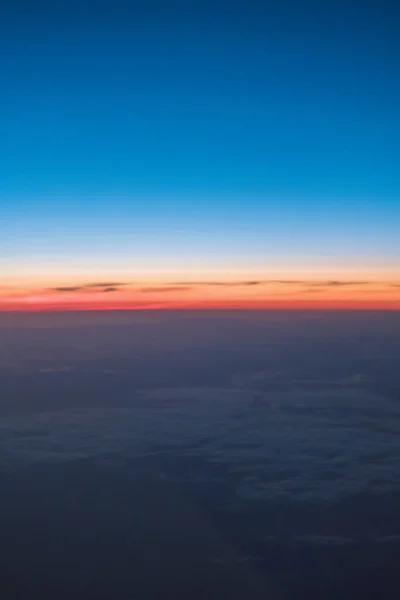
point(266, 305)
point(272, 294)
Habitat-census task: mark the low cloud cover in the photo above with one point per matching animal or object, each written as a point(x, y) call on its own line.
point(305, 445)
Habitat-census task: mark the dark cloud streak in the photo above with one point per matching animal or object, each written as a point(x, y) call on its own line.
point(108, 287)
point(74, 288)
point(103, 285)
point(324, 284)
point(312, 285)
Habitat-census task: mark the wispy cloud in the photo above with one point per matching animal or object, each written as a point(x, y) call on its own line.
point(104, 284)
point(164, 288)
point(104, 287)
point(217, 283)
point(285, 281)
point(311, 283)
point(339, 283)
point(68, 288)
point(187, 285)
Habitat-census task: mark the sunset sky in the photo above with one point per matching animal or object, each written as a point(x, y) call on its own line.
point(193, 155)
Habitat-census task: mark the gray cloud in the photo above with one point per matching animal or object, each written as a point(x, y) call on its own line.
point(187, 285)
point(104, 284)
point(112, 286)
point(332, 283)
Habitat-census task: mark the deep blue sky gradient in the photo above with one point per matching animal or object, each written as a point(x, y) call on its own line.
point(274, 121)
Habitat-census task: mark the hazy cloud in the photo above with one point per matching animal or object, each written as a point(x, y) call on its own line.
point(340, 283)
point(72, 288)
point(332, 283)
point(313, 285)
point(285, 281)
point(312, 290)
point(218, 283)
point(316, 283)
point(165, 288)
point(104, 284)
point(109, 287)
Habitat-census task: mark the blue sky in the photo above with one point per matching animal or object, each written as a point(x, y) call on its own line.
point(226, 130)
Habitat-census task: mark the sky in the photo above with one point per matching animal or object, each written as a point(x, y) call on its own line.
point(199, 154)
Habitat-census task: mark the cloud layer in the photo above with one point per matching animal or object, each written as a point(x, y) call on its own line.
point(305, 445)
